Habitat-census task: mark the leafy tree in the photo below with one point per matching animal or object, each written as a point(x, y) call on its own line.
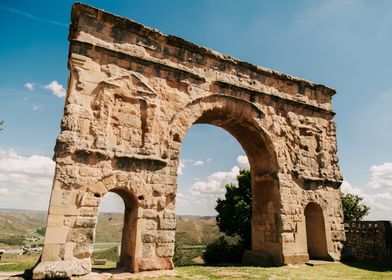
point(235, 210)
point(221, 251)
point(1, 124)
point(353, 209)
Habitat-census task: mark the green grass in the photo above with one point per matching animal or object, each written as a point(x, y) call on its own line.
point(18, 263)
point(334, 271)
point(328, 271)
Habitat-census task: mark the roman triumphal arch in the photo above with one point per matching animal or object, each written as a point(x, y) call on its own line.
point(132, 95)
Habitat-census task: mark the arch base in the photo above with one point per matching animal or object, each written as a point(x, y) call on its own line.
point(64, 269)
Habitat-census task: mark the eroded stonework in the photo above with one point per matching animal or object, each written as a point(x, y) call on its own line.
point(132, 95)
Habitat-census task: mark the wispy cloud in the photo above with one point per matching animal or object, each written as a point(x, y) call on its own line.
point(56, 88)
point(376, 201)
point(30, 16)
point(181, 166)
point(25, 181)
point(204, 193)
point(381, 176)
point(30, 86)
point(198, 163)
point(37, 107)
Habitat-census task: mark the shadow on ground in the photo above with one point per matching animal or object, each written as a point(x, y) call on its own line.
point(369, 266)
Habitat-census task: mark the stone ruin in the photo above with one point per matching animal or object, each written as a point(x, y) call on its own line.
point(132, 95)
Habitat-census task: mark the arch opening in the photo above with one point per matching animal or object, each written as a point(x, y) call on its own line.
point(115, 240)
point(244, 122)
point(211, 158)
point(315, 232)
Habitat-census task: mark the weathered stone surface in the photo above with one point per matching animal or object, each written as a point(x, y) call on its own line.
point(165, 250)
point(368, 241)
point(62, 269)
point(155, 264)
point(133, 94)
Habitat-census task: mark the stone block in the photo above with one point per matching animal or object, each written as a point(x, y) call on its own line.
point(55, 221)
point(63, 210)
point(151, 224)
point(165, 250)
point(88, 211)
point(149, 236)
point(148, 250)
point(169, 214)
point(89, 200)
point(166, 236)
point(147, 264)
point(288, 237)
point(150, 213)
point(81, 235)
point(61, 269)
point(86, 222)
point(56, 235)
point(83, 250)
point(51, 252)
point(167, 224)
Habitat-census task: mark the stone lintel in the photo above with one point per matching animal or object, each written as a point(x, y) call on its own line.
point(144, 31)
point(81, 47)
point(252, 92)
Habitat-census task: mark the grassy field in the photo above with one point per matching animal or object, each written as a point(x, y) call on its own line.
point(18, 263)
point(329, 271)
point(192, 233)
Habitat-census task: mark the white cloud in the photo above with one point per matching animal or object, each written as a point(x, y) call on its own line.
point(30, 86)
point(180, 167)
point(381, 176)
point(198, 163)
point(243, 162)
point(200, 198)
point(376, 201)
point(209, 159)
point(346, 187)
point(215, 183)
point(56, 88)
point(3, 191)
point(36, 107)
point(25, 182)
point(111, 202)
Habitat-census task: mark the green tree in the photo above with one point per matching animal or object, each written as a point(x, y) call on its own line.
point(1, 124)
point(353, 209)
point(235, 210)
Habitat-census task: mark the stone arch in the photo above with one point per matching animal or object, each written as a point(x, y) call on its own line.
point(243, 120)
point(316, 232)
point(156, 87)
point(127, 260)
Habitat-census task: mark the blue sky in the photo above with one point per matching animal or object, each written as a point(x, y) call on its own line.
point(343, 44)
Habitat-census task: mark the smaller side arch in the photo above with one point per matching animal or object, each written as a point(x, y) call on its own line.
point(316, 238)
point(128, 255)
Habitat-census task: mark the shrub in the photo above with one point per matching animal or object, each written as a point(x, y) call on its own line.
point(221, 251)
point(178, 258)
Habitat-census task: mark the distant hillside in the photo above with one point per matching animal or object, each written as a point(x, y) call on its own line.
point(191, 230)
point(20, 222)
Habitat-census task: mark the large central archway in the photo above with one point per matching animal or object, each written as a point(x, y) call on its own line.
point(132, 95)
point(242, 120)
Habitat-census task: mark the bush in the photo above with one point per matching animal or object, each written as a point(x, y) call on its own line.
point(221, 251)
point(13, 240)
point(178, 258)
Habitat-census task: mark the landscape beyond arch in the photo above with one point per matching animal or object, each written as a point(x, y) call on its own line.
point(132, 95)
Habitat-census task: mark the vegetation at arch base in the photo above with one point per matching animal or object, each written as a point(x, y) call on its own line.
point(237, 206)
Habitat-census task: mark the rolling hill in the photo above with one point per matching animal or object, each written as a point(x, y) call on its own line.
point(191, 230)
